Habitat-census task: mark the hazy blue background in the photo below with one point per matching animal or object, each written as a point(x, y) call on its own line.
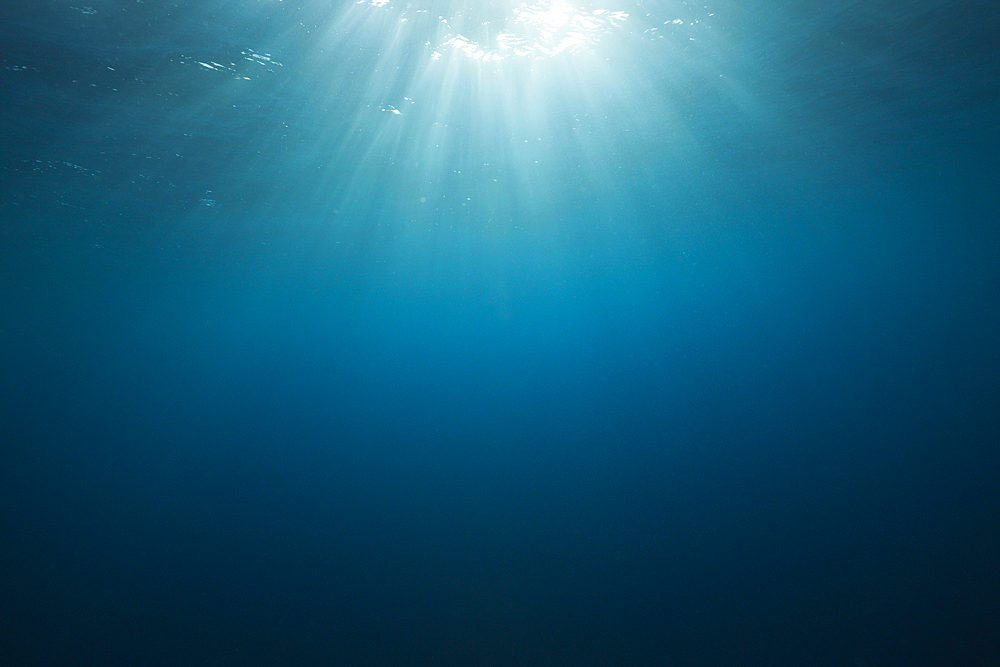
point(680, 349)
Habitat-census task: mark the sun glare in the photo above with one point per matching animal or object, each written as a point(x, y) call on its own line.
point(462, 106)
point(543, 29)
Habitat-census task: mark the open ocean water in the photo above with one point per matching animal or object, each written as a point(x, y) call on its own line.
point(442, 333)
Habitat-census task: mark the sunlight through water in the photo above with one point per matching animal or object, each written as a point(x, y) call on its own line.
point(468, 115)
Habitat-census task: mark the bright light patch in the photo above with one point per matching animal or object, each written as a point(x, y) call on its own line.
point(440, 114)
point(544, 29)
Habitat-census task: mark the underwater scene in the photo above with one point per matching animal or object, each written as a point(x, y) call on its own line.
point(552, 333)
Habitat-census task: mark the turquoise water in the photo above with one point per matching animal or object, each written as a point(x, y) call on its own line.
point(554, 334)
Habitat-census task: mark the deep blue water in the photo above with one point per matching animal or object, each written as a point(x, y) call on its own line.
point(675, 347)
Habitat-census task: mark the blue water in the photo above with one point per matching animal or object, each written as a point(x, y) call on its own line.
point(343, 333)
